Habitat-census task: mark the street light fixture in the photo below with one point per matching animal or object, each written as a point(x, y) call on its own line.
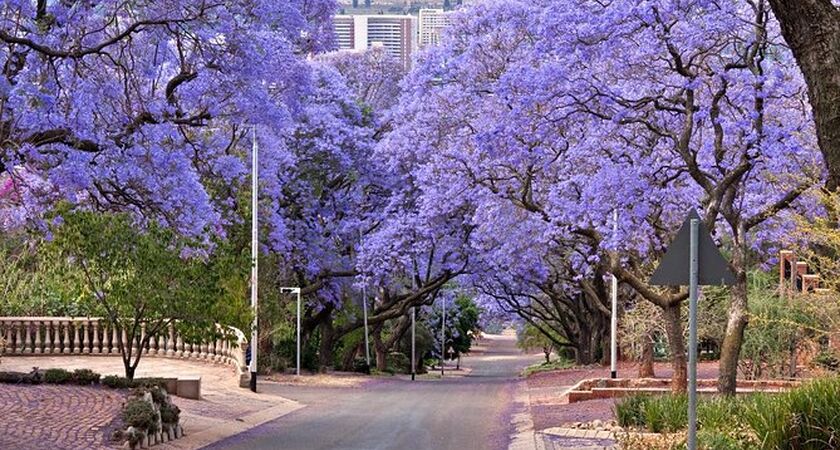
point(295, 290)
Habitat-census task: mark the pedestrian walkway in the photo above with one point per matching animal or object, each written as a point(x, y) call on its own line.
point(224, 409)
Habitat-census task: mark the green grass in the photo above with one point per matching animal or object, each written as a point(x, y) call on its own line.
point(555, 364)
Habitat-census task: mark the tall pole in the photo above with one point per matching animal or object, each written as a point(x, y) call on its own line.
point(297, 370)
point(254, 256)
point(692, 335)
point(614, 313)
point(413, 333)
point(442, 334)
point(365, 314)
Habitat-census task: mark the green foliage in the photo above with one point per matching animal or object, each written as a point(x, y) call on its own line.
point(777, 325)
point(131, 275)
point(666, 414)
point(169, 414)
point(85, 377)
point(466, 324)
point(630, 410)
point(57, 376)
point(828, 360)
point(398, 363)
point(531, 338)
point(140, 414)
point(806, 418)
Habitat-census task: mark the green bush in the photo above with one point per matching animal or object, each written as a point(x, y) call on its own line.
point(117, 382)
point(85, 377)
point(667, 413)
point(630, 410)
point(169, 414)
point(140, 414)
point(806, 418)
point(828, 360)
point(398, 363)
point(57, 376)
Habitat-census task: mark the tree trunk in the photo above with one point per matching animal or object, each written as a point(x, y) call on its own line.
point(379, 348)
point(646, 362)
point(812, 31)
point(676, 341)
point(325, 349)
point(546, 351)
point(731, 348)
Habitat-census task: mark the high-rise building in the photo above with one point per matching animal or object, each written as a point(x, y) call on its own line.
point(432, 22)
point(397, 33)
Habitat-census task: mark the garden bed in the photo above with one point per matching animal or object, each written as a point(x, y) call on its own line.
point(601, 388)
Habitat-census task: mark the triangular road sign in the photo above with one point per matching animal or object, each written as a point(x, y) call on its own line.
point(674, 267)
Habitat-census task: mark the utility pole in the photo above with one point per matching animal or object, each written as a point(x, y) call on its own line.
point(365, 314)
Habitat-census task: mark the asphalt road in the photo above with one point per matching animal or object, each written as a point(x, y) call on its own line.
point(470, 412)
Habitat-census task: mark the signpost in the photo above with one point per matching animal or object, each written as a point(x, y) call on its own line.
point(692, 259)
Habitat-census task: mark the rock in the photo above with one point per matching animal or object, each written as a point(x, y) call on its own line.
point(597, 424)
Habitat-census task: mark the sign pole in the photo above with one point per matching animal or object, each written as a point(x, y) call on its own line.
point(692, 334)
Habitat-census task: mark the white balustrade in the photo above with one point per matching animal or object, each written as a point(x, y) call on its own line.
point(93, 336)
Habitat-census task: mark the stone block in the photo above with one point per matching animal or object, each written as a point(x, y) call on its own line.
point(189, 387)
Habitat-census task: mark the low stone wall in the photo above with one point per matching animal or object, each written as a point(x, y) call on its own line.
point(599, 388)
point(31, 336)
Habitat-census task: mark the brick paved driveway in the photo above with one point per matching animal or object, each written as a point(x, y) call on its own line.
point(57, 417)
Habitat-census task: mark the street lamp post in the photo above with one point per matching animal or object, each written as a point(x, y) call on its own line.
point(614, 312)
point(295, 290)
point(442, 334)
point(254, 258)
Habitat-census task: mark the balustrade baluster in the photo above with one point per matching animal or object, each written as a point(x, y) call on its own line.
point(8, 326)
point(37, 348)
point(170, 343)
point(48, 341)
point(85, 340)
point(77, 341)
point(27, 342)
point(180, 352)
point(95, 340)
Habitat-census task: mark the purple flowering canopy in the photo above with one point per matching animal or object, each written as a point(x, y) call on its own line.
point(140, 106)
point(546, 118)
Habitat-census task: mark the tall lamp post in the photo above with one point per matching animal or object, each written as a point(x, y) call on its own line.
point(295, 290)
point(254, 257)
point(614, 312)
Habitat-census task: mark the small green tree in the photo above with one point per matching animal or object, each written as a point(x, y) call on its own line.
point(136, 277)
point(531, 338)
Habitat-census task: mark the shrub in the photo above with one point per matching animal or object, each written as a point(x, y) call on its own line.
point(398, 363)
point(85, 377)
point(629, 411)
point(117, 382)
point(57, 376)
point(169, 414)
point(828, 360)
point(140, 414)
point(12, 377)
point(360, 365)
point(666, 413)
point(805, 418)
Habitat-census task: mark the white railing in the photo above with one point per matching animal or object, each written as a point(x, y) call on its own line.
point(30, 336)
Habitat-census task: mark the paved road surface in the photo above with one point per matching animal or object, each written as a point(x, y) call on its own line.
point(471, 412)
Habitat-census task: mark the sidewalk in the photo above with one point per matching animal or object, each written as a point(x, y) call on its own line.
point(225, 409)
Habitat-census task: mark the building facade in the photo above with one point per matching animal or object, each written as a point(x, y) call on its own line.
point(432, 22)
point(396, 33)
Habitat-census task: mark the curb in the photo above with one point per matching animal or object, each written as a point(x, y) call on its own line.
point(228, 428)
